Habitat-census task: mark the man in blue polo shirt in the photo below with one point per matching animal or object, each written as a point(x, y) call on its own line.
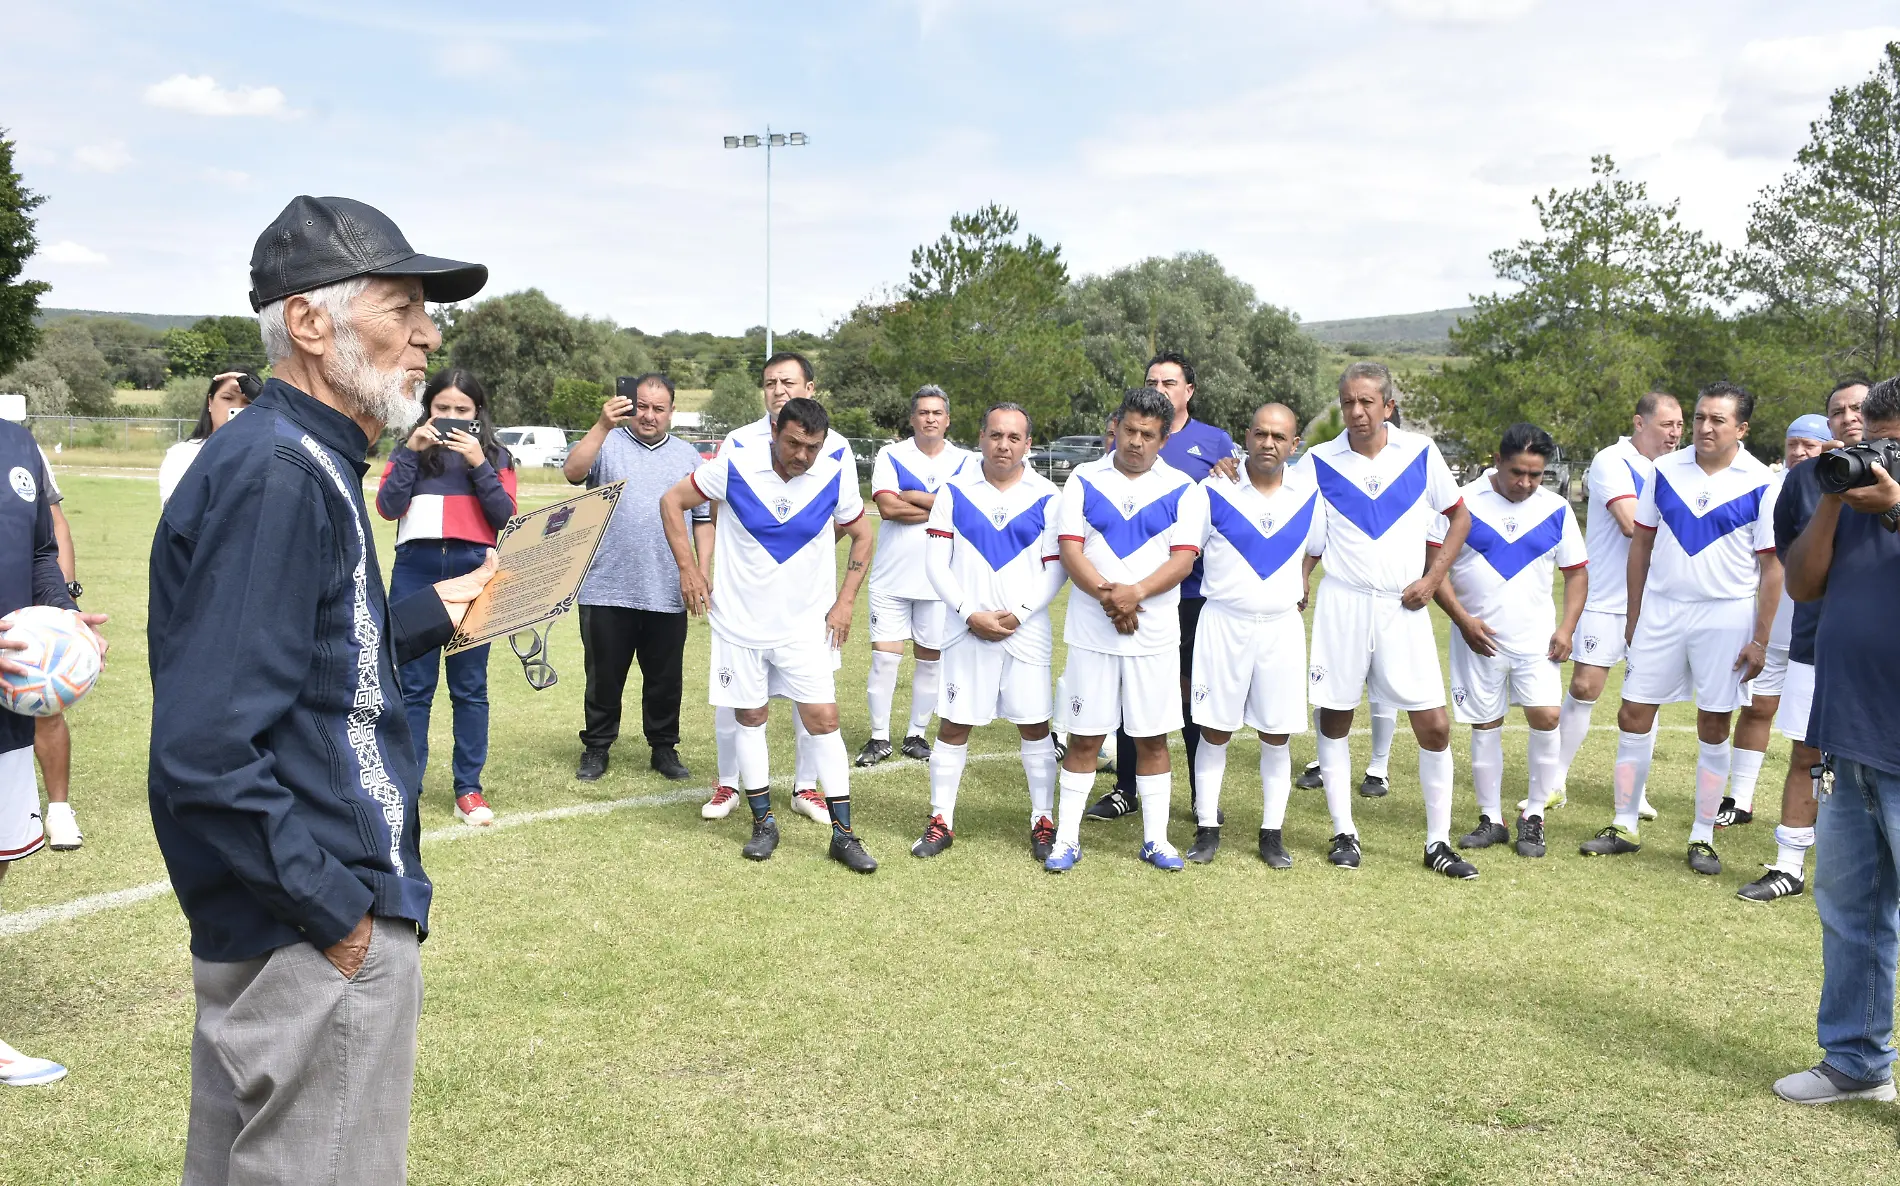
point(1196, 449)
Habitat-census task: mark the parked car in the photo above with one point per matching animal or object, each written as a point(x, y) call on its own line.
point(1056, 462)
point(864, 452)
point(707, 449)
point(1557, 473)
point(534, 446)
point(1089, 445)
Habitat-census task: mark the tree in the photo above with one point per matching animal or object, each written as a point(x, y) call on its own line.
point(521, 343)
point(188, 352)
point(1616, 298)
point(46, 393)
point(735, 401)
point(1245, 353)
point(1824, 242)
point(68, 347)
point(237, 343)
point(982, 317)
point(134, 353)
point(19, 299)
point(576, 402)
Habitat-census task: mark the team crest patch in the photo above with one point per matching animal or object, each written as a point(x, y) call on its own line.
point(874, 618)
point(1458, 697)
point(1266, 525)
point(23, 483)
point(1128, 506)
point(1372, 485)
point(1510, 527)
point(1200, 693)
point(1075, 705)
point(950, 693)
point(782, 508)
point(1316, 673)
point(999, 516)
point(725, 677)
point(1590, 644)
point(1702, 501)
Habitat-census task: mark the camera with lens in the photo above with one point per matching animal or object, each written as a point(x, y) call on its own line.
point(1844, 469)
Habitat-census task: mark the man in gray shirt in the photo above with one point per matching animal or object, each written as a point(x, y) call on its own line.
point(630, 602)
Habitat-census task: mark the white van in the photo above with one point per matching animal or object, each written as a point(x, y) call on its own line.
point(535, 446)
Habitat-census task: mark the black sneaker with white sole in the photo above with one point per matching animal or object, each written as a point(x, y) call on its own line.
point(1374, 786)
point(1113, 805)
point(935, 839)
point(1440, 859)
point(1345, 851)
point(1206, 844)
point(1703, 860)
point(875, 750)
point(764, 840)
point(1776, 883)
point(1309, 779)
point(916, 747)
point(1530, 835)
point(1729, 815)
point(1610, 842)
point(1487, 833)
point(1273, 849)
point(849, 852)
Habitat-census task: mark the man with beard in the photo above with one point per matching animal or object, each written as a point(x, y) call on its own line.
point(283, 782)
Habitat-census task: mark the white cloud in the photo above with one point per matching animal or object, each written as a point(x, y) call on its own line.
point(109, 157)
point(200, 94)
point(1458, 12)
point(1776, 86)
point(68, 252)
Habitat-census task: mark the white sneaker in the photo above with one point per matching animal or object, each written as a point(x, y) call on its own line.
point(723, 800)
point(21, 1071)
point(810, 804)
point(1644, 810)
point(62, 828)
point(1555, 801)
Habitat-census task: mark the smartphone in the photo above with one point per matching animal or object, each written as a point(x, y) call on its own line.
point(626, 386)
point(234, 411)
point(250, 386)
point(445, 425)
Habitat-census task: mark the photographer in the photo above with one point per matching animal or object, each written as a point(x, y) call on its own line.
point(1848, 559)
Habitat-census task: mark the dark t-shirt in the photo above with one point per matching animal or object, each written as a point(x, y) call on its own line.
point(1856, 650)
point(1195, 451)
point(1794, 506)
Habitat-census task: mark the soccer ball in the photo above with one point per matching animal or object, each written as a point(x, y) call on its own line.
point(61, 661)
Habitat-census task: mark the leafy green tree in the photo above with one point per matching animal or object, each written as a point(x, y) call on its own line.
point(68, 347)
point(134, 353)
point(46, 393)
point(521, 343)
point(185, 396)
point(576, 402)
point(1824, 242)
point(1245, 353)
point(188, 352)
point(19, 299)
point(735, 401)
point(854, 388)
point(982, 317)
point(237, 342)
point(1616, 298)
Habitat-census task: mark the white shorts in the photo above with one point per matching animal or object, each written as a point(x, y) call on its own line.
point(1598, 641)
point(22, 833)
point(1797, 701)
point(905, 619)
point(801, 672)
point(1249, 670)
point(1140, 694)
point(1483, 689)
point(1686, 650)
point(1367, 642)
point(1774, 673)
point(982, 681)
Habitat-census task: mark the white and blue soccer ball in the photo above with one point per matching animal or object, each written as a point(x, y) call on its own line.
point(61, 658)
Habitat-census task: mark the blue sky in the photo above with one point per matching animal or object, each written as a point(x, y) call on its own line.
point(1348, 159)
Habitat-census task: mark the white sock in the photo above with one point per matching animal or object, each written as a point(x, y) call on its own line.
point(1276, 784)
point(1791, 849)
point(833, 764)
point(725, 731)
point(1643, 798)
point(1631, 776)
point(880, 690)
point(1385, 723)
point(923, 695)
point(1573, 727)
point(1039, 769)
point(755, 759)
point(1155, 792)
point(1076, 789)
point(1210, 763)
point(1744, 771)
point(1711, 777)
point(1487, 771)
point(946, 773)
point(1335, 770)
point(804, 768)
point(1434, 781)
point(1546, 745)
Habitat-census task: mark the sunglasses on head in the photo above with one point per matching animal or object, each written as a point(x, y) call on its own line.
point(533, 654)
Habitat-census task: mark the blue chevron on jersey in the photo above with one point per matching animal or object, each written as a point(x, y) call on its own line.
point(837, 454)
point(1636, 476)
point(1696, 532)
point(907, 480)
point(1509, 556)
point(997, 545)
point(781, 540)
point(1125, 536)
point(1265, 554)
point(1372, 514)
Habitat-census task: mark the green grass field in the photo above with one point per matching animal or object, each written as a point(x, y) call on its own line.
point(615, 996)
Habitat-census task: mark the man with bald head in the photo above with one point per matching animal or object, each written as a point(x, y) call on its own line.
point(1260, 536)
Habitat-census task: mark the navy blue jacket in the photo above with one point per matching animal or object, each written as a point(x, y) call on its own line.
point(29, 555)
point(283, 782)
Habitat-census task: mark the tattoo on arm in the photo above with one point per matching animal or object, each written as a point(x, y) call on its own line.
point(853, 565)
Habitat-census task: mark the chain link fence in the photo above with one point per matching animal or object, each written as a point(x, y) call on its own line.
point(119, 434)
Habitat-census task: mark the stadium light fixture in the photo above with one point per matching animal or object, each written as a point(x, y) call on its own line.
point(769, 141)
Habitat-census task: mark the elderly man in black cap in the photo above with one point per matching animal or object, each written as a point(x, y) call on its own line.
point(283, 783)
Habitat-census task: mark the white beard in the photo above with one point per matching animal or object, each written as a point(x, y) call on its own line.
point(389, 397)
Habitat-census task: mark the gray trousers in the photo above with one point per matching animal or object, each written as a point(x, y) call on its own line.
point(299, 1076)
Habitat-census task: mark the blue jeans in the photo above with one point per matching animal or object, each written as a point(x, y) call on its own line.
point(1857, 895)
point(420, 563)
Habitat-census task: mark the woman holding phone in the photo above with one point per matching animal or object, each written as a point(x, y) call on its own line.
point(229, 394)
point(450, 487)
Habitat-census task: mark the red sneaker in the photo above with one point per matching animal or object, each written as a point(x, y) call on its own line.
point(473, 810)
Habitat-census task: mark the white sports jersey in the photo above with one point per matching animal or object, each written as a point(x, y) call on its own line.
point(1252, 544)
point(1127, 527)
point(1615, 473)
point(1503, 574)
point(758, 434)
point(898, 570)
point(1379, 510)
point(1708, 527)
point(775, 569)
point(990, 549)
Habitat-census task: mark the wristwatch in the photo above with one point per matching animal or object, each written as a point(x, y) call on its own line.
point(75, 590)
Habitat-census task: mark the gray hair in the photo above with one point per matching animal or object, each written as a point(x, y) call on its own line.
point(334, 299)
point(1370, 370)
point(1005, 406)
point(929, 391)
point(1146, 401)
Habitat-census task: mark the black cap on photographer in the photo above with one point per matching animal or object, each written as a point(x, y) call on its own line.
point(319, 241)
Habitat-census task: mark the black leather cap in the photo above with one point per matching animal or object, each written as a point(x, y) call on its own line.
point(319, 241)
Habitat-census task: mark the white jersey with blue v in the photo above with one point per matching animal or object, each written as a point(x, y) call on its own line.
point(1253, 545)
point(898, 570)
point(1002, 557)
point(1503, 575)
point(1708, 527)
point(1380, 510)
point(1127, 527)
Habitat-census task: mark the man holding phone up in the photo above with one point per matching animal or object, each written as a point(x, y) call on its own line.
point(630, 602)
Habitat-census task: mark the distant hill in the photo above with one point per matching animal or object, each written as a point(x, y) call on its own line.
point(1415, 329)
point(158, 321)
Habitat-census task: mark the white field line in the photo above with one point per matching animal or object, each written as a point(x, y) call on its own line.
point(25, 922)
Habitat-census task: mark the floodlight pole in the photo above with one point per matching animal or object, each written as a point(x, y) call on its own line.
point(768, 142)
